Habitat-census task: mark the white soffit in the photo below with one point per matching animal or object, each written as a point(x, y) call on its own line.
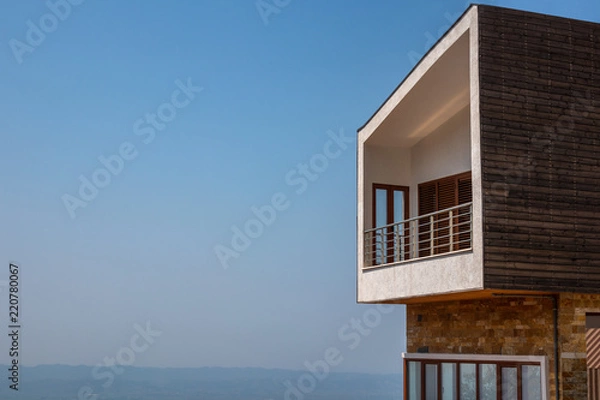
point(433, 92)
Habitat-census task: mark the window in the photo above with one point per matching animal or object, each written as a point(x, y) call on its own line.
point(592, 337)
point(443, 231)
point(474, 377)
point(444, 223)
point(390, 206)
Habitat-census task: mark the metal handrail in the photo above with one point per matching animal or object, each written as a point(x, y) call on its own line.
point(420, 216)
point(439, 232)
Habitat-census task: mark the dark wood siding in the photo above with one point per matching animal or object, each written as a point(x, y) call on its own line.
point(540, 151)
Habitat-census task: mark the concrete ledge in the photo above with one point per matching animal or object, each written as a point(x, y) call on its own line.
point(451, 273)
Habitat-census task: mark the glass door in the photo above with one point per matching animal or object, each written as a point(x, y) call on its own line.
point(510, 381)
point(431, 382)
point(390, 209)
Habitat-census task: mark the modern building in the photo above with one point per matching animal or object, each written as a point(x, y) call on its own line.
point(479, 208)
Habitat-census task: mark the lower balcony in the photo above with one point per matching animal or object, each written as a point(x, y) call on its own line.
point(429, 235)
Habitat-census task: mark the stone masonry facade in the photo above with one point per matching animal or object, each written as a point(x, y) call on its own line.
point(510, 325)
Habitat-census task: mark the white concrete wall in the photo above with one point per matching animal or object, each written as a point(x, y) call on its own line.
point(386, 165)
point(452, 148)
point(450, 273)
point(444, 152)
point(476, 144)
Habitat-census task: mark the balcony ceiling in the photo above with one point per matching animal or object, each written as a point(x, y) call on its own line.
point(438, 95)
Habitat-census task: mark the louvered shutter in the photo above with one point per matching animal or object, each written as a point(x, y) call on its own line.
point(465, 195)
point(427, 205)
point(427, 198)
point(449, 232)
point(465, 190)
point(446, 193)
point(447, 196)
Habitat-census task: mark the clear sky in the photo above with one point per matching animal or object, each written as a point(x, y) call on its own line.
point(244, 102)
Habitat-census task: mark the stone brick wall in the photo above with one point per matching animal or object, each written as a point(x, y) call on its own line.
point(571, 328)
point(509, 326)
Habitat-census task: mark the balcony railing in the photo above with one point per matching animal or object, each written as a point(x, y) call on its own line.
point(427, 235)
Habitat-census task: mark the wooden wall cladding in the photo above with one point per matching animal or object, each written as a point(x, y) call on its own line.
point(540, 151)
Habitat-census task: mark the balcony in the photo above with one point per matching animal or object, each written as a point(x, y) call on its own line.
point(419, 225)
point(446, 231)
point(530, 225)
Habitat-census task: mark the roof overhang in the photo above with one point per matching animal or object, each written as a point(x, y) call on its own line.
point(435, 90)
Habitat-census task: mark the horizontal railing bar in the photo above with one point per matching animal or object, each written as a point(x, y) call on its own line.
point(378, 235)
point(441, 237)
point(434, 234)
point(374, 231)
point(441, 218)
point(425, 216)
point(436, 246)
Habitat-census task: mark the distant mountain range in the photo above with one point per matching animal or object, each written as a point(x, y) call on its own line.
point(60, 382)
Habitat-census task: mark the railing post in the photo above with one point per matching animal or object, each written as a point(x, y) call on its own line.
point(407, 238)
point(400, 234)
point(366, 244)
point(411, 243)
point(451, 230)
point(411, 240)
point(379, 245)
point(431, 234)
point(396, 239)
point(471, 225)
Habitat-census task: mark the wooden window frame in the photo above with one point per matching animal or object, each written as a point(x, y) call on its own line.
point(500, 361)
point(390, 189)
point(456, 231)
point(592, 343)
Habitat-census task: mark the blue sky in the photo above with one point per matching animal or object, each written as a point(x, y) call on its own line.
point(265, 98)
